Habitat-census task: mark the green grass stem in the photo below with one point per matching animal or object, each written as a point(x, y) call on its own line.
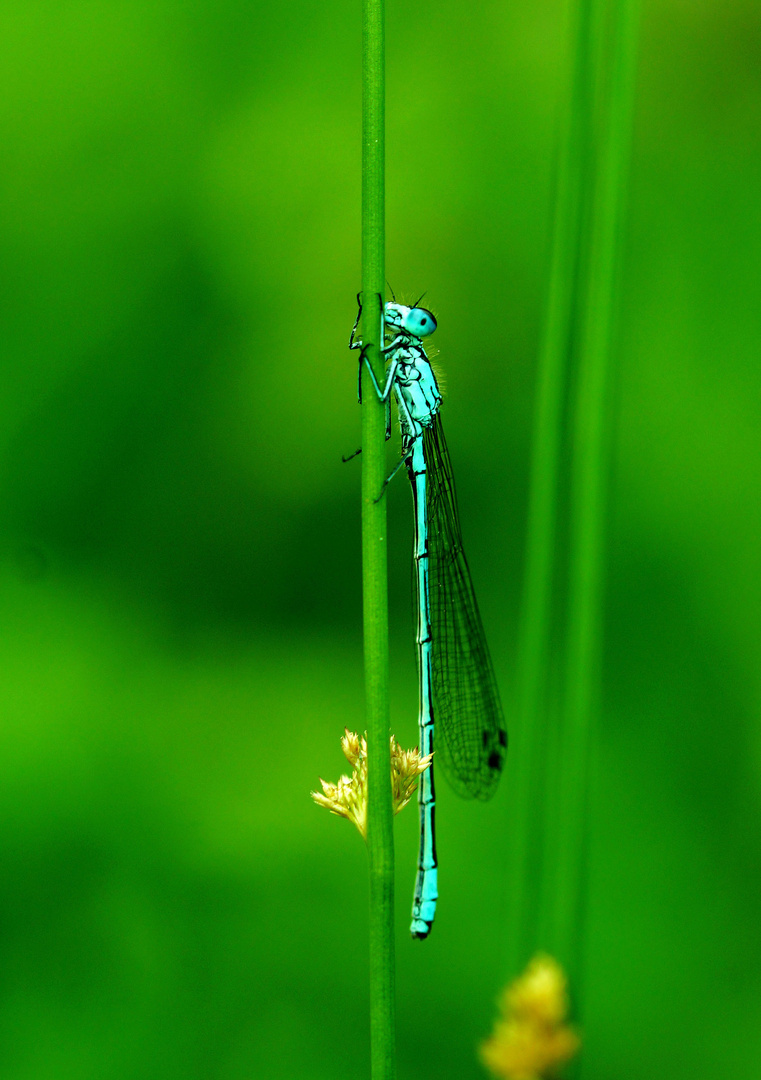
point(529, 741)
point(380, 836)
point(590, 466)
point(553, 747)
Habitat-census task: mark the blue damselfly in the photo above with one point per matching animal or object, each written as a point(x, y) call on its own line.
point(458, 690)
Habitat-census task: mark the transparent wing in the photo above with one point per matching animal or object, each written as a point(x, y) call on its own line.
point(466, 706)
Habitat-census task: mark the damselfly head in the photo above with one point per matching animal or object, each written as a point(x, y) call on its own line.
point(419, 322)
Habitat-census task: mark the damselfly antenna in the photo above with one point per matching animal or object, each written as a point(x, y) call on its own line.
point(393, 297)
point(419, 299)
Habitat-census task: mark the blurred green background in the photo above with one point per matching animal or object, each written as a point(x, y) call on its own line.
point(180, 575)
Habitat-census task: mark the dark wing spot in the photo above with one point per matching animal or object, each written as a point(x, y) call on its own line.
point(486, 737)
point(495, 760)
point(502, 737)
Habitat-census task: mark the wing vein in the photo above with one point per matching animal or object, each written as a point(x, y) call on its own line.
point(467, 708)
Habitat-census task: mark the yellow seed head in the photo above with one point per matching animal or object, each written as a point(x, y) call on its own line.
point(348, 798)
point(531, 1039)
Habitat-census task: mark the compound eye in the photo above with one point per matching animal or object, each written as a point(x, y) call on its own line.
point(420, 322)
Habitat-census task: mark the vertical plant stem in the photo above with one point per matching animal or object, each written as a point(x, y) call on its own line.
point(529, 744)
point(588, 487)
point(380, 837)
point(552, 788)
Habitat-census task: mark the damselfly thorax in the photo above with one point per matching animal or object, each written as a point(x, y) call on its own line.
point(415, 387)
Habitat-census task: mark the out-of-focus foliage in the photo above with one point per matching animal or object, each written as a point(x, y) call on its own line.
point(180, 571)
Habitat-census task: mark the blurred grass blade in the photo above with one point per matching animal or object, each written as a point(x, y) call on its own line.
point(552, 760)
point(590, 457)
point(529, 742)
